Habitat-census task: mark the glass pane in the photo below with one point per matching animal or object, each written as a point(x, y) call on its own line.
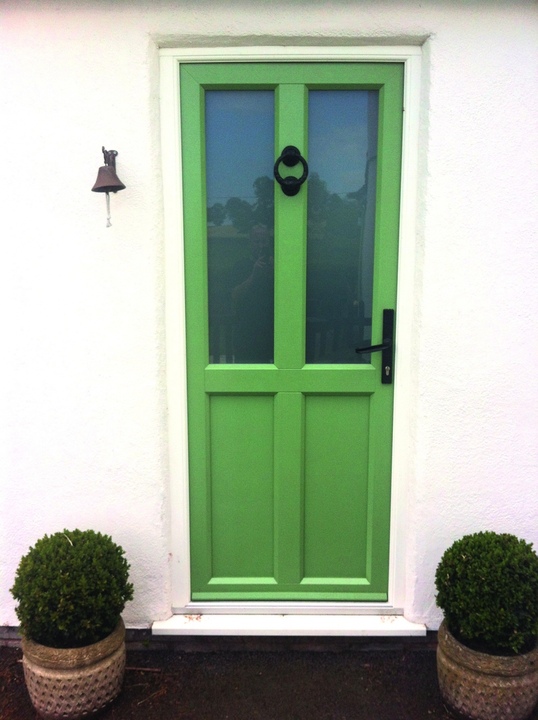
point(342, 150)
point(239, 169)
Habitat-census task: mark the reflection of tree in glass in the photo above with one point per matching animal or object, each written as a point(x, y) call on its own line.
point(337, 215)
point(216, 214)
point(240, 213)
point(244, 215)
point(331, 217)
point(264, 211)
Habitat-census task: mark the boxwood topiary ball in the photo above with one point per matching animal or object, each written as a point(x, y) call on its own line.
point(72, 587)
point(487, 587)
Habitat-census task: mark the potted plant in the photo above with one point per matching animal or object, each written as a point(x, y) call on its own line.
point(487, 655)
point(72, 587)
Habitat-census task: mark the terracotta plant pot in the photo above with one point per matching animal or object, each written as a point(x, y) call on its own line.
point(71, 683)
point(486, 687)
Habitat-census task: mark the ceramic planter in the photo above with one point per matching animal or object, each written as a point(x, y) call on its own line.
point(486, 687)
point(71, 683)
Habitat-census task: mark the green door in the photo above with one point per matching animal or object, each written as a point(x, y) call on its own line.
point(290, 429)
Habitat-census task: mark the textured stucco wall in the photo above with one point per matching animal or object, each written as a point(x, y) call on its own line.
point(83, 381)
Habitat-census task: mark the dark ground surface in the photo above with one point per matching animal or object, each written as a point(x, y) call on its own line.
point(390, 682)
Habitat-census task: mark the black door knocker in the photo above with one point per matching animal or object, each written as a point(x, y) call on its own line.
point(290, 157)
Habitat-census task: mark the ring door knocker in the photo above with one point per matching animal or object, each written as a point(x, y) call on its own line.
point(291, 156)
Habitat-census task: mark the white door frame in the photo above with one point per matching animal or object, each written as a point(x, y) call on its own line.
point(405, 383)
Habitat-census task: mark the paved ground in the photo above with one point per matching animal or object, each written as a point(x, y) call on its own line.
point(386, 683)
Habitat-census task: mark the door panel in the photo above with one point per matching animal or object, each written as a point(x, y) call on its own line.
point(336, 486)
point(289, 429)
point(242, 487)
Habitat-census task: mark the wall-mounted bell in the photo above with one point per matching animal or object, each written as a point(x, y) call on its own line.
point(107, 180)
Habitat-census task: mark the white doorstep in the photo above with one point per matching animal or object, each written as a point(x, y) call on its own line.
point(315, 625)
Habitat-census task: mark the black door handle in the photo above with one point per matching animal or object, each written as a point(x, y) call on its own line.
point(290, 157)
point(386, 347)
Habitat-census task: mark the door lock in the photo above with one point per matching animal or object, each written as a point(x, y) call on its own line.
point(386, 347)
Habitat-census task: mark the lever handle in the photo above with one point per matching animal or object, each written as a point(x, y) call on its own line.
point(387, 343)
point(386, 347)
point(290, 156)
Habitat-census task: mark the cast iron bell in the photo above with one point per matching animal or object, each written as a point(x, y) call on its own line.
point(107, 180)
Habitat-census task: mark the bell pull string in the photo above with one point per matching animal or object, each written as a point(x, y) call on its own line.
point(108, 221)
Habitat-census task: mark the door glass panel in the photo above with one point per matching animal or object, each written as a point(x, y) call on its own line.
point(239, 187)
point(342, 152)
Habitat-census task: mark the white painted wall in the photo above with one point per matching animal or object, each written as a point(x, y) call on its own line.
point(83, 379)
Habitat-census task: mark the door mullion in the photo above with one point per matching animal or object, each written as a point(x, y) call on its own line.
point(290, 232)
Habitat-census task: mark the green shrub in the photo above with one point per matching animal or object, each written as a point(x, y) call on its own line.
point(487, 587)
point(71, 587)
